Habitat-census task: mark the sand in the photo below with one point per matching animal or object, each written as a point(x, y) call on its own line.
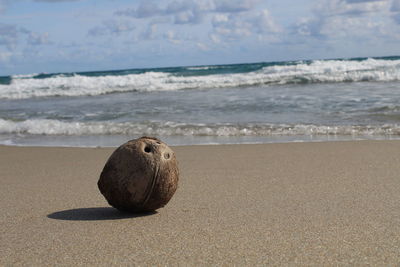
point(278, 204)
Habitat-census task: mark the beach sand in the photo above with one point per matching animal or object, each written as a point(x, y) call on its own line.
point(296, 203)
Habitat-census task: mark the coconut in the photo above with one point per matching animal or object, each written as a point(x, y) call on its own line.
point(140, 175)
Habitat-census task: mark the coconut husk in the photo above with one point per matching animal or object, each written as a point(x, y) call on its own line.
point(140, 175)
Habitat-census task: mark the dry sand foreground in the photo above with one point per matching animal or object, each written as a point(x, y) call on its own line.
point(297, 203)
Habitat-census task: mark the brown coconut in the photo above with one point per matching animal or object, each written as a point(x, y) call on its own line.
point(141, 175)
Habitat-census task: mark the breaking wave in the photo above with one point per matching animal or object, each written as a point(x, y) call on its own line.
point(56, 127)
point(243, 75)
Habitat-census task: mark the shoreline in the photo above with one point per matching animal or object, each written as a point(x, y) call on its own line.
point(303, 203)
point(115, 141)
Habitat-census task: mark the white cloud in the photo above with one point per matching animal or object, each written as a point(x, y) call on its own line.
point(189, 16)
point(182, 12)
point(202, 46)
point(170, 36)
point(179, 6)
point(348, 19)
point(9, 35)
point(362, 1)
point(351, 28)
point(56, 1)
point(13, 37)
point(145, 9)
point(220, 19)
point(214, 38)
point(189, 11)
point(17, 43)
point(233, 6)
point(348, 8)
point(265, 23)
point(111, 27)
point(229, 20)
point(231, 27)
point(35, 38)
point(309, 27)
point(150, 32)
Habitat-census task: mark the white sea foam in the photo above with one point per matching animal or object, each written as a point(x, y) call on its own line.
point(324, 71)
point(20, 76)
point(336, 71)
point(56, 127)
point(201, 68)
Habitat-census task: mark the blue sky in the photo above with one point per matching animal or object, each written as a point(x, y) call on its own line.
point(80, 35)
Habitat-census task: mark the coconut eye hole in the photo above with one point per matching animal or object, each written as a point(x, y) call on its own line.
point(167, 155)
point(147, 149)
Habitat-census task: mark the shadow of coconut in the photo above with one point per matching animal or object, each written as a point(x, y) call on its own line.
point(95, 214)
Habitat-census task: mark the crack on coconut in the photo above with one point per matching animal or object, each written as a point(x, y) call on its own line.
point(150, 188)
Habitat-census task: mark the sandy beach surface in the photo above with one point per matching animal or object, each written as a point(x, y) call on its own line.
point(334, 203)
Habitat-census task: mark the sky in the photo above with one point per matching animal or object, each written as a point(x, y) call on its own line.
point(86, 35)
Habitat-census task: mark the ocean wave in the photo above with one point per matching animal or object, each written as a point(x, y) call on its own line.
point(385, 109)
point(334, 71)
point(201, 68)
point(319, 71)
point(56, 127)
point(22, 76)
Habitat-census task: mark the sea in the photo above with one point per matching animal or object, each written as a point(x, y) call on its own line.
point(266, 102)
